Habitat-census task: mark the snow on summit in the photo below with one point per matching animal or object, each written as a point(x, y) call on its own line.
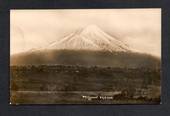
point(89, 38)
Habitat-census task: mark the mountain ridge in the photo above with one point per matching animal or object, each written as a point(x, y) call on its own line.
point(89, 38)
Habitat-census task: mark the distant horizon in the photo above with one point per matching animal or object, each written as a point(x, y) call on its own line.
point(29, 32)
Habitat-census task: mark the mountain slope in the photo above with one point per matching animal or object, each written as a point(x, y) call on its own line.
point(86, 58)
point(89, 38)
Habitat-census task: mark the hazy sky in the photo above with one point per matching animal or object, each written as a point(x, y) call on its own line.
point(139, 28)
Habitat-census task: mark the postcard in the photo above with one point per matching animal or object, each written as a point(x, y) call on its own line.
point(85, 56)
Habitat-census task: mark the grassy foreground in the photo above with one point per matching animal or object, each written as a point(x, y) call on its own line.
point(67, 84)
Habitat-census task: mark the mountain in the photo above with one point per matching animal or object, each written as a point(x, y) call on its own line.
point(89, 38)
point(89, 46)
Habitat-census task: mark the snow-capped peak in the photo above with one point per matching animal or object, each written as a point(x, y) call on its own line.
point(89, 38)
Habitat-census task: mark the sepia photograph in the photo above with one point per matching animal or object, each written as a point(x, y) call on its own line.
point(85, 56)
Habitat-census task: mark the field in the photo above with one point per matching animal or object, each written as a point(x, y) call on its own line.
point(73, 84)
